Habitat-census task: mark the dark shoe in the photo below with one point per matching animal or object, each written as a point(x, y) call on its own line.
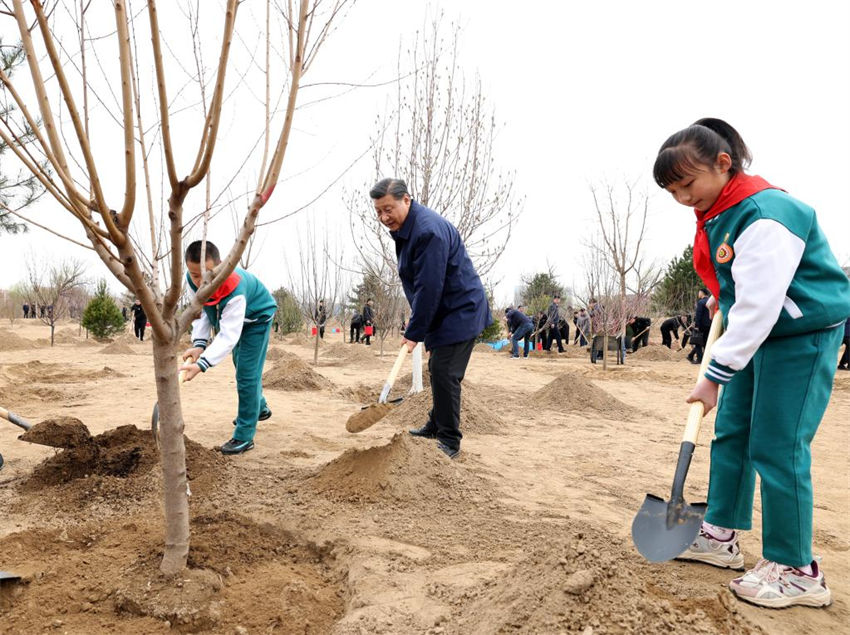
point(449, 452)
point(234, 446)
point(426, 432)
point(264, 414)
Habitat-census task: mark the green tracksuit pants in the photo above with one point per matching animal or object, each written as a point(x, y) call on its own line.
point(766, 419)
point(249, 355)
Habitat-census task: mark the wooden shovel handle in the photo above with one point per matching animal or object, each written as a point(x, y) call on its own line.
point(697, 411)
point(11, 417)
point(399, 360)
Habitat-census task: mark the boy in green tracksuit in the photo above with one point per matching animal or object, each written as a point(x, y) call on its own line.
point(241, 312)
point(784, 298)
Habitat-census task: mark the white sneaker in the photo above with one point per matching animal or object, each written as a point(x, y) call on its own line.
point(725, 554)
point(777, 586)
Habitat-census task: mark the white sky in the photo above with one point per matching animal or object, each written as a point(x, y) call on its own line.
point(585, 92)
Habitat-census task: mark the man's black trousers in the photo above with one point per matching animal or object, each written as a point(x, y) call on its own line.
point(447, 366)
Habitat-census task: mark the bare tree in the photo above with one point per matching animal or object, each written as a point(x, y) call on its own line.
point(320, 279)
point(52, 286)
point(60, 84)
point(615, 267)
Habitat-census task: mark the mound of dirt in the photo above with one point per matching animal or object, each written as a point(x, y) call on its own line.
point(571, 391)
point(402, 470)
point(118, 348)
point(360, 393)
point(576, 352)
point(656, 353)
point(47, 373)
point(593, 583)
point(481, 347)
point(294, 374)
point(275, 354)
point(475, 415)
point(109, 464)
point(349, 353)
point(10, 341)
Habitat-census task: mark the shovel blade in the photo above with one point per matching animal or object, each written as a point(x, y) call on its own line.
point(661, 530)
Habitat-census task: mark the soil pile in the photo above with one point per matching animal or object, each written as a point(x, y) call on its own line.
point(10, 341)
point(481, 347)
point(475, 414)
point(66, 336)
point(47, 373)
point(116, 466)
point(118, 348)
point(294, 374)
point(571, 391)
point(403, 470)
point(656, 353)
point(276, 354)
point(360, 393)
point(350, 353)
point(593, 583)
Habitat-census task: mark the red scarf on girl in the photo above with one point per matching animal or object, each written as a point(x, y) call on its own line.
point(738, 188)
point(226, 288)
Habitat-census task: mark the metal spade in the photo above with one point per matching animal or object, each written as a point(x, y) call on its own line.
point(663, 529)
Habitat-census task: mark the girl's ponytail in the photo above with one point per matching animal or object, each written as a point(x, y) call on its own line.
point(740, 153)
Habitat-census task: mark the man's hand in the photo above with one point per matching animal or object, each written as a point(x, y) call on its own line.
point(410, 345)
point(706, 392)
point(192, 353)
point(190, 369)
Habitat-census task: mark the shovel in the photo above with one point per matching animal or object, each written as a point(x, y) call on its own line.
point(662, 530)
point(155, 413)
point(11, 417)
point(373, 413)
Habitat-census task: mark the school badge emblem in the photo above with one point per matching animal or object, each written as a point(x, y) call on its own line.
point(724, 253)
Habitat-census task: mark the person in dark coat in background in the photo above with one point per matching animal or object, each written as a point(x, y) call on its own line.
point(583, 326)
point(540, 329)
point(640, 332)
point(553, 319)
point(670, 330)
point(321, 317)
point(369, 320)
point(519, 328)
point(354, 331)
point(139, 320)
point(844, 363)
point(702, 324)
point(449, 307)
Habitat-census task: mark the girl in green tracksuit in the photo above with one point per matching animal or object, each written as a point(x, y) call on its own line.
point(784, 298)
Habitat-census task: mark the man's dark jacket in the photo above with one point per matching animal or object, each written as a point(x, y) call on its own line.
point(701, 317)
point(516, 319)
point(447, 300)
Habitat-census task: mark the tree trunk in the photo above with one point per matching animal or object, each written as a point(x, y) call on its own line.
point(316, 348)
point(52, 329)
point(173, 458)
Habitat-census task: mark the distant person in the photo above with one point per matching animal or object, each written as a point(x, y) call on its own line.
point(702, 324)
point(140, 320)
point(449, 307)
point(320, 316)
point(519, 328)
point(564, 328)
point(42, 310)
point(553, 319)
point(540, 329)
point(356, 325)
point(844, 363)
point(583, 326)
point(670, 330)
point(26, 311)
point(241, 312)
point(124, 313)
point(784, 298)
point(368, 321)
point(639, 332)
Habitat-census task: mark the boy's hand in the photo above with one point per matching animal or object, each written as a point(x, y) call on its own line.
point(706, 392)
point(190, 371)
point(192, 353)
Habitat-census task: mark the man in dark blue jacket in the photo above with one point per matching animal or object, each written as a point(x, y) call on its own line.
point(448, 305)
point(519, 328)
point(702, 322)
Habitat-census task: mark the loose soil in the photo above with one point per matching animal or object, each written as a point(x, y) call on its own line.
point(118, 348)
point(318, 530)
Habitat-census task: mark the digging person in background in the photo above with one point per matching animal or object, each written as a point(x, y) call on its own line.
point(553, 318)
point(519, 328)
point(354, 331)
point(448, 305)
point(784, 297)
point(321, 316)
point(670, 330)
point(702, 324)
point(140, 320)
point(640, 332)
point(369, 320)
point(241, 312)
point(583, 326)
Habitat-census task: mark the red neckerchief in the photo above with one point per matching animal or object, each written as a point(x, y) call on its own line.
point(738, 188)
point(226, 288)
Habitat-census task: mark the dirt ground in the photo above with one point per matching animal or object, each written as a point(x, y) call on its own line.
point(318, 530)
